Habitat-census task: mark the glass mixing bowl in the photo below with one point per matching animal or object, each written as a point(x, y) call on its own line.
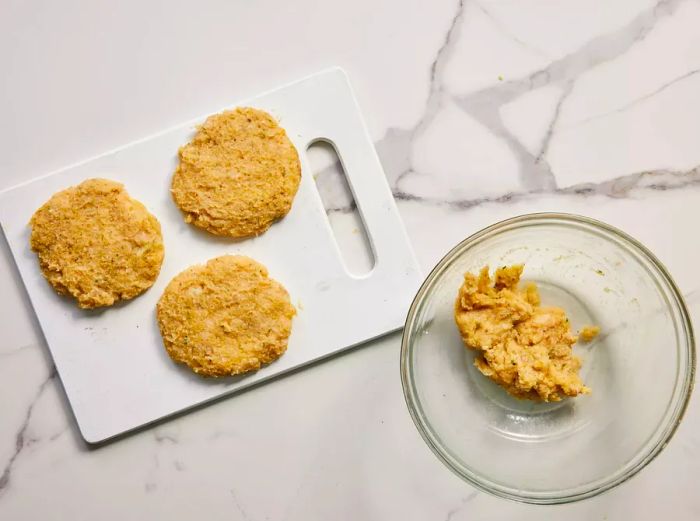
point(640, 368)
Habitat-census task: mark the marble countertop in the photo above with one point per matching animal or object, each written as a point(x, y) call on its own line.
point(480, 110)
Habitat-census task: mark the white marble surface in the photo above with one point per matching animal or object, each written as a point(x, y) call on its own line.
point(480, 110)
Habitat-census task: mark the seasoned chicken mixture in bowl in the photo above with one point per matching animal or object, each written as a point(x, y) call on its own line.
point(524, 347)
point(547, 358)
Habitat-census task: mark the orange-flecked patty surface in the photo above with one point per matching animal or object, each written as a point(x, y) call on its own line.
point(225, 317)
point(238, 175)
point(97, 244)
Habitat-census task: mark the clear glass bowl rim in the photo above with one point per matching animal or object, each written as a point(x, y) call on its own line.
point(584, 491)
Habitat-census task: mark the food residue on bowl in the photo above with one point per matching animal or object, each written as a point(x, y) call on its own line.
point(588, 333)
point(524, 347)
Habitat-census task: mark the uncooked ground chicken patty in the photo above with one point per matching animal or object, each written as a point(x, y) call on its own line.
point(97, 244)
point(238, 175)
point(226, 317)
point(522, 346)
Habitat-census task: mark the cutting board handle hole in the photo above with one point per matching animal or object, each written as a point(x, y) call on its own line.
point(339, 202)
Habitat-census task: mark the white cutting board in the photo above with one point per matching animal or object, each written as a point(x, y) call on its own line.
point(113, 366)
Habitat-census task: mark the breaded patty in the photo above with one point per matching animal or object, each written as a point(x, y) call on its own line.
point(238, 175)
point(225, 317)
point(96, 243)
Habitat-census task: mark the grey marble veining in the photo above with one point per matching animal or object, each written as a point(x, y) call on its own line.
point(483, 105)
